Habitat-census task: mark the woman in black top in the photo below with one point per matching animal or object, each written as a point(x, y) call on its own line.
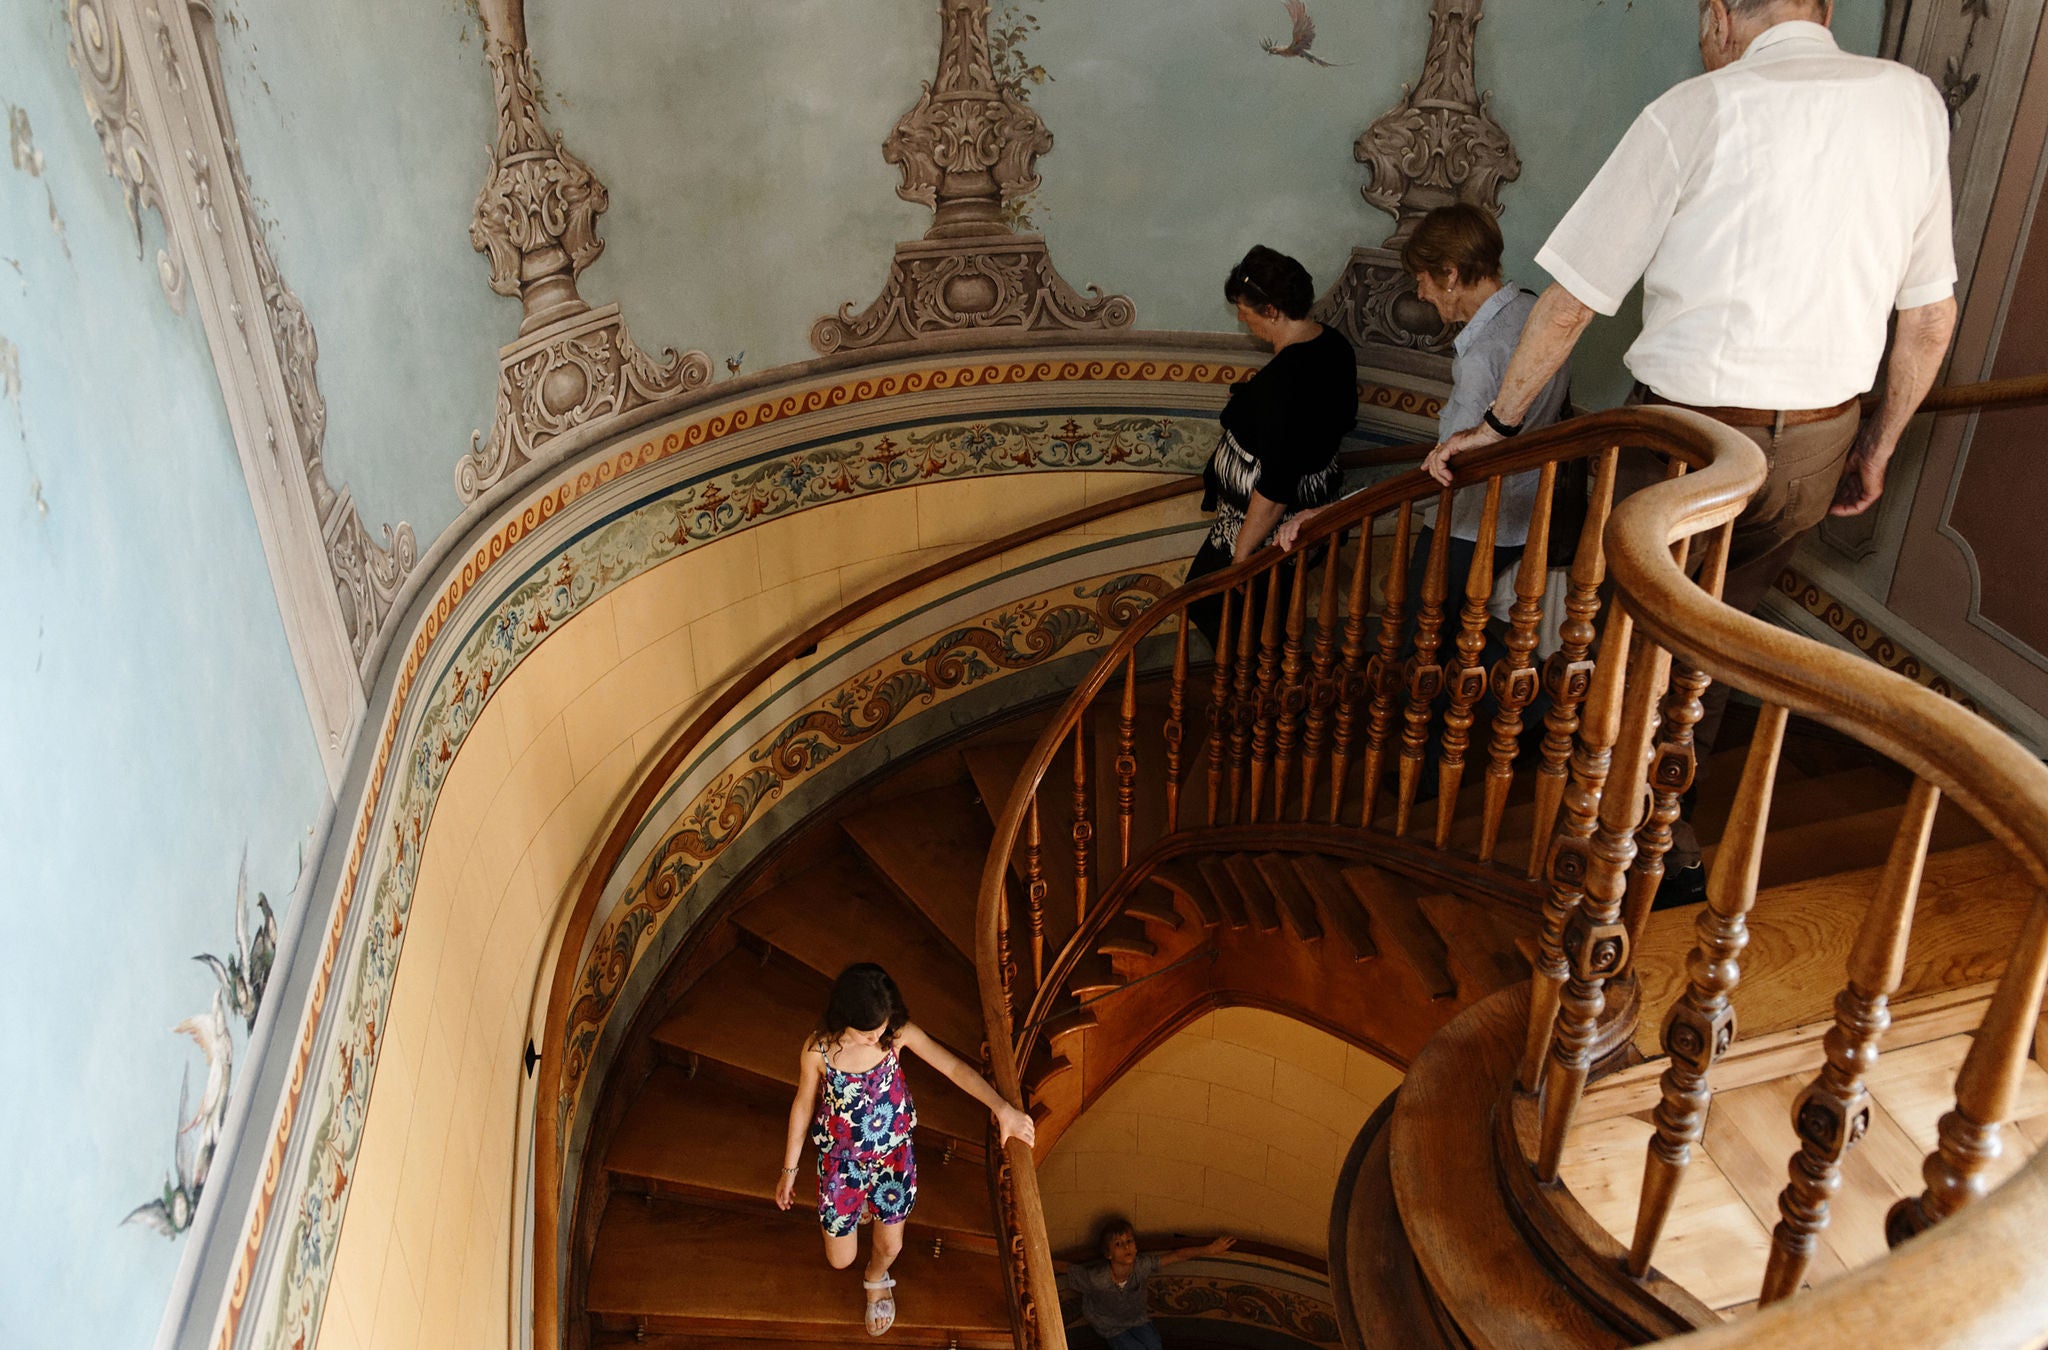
point(1281, 428)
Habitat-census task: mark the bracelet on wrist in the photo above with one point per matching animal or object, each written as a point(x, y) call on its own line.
point(1500, 427)
point(789, 1171)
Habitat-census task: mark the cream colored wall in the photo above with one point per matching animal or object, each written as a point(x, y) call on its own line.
point(426, 1248)
point(1237, 1124)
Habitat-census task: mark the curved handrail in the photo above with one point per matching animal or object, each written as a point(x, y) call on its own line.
point(1949, 748)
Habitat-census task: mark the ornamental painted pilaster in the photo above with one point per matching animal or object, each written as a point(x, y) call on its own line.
point(1438, 145)
point(151, 79)
point(571, 366)
point(966, 149)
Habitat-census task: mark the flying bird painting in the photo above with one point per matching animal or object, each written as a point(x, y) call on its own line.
point(246, 972)
point(1303, 38)
point(199, 1133)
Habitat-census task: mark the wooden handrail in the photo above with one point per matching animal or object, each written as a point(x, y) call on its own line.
point(1265, 661)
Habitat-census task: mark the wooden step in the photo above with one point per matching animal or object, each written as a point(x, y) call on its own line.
point(1186, 882)
point(1072, 1022)
point(756, 1017)
point(1296, 905)
point(1093, 975)
point(931, 848)
point(1480, 941)
point(699, 1136)
point(1337, 902)
point(1825, 847)
point(1258, 897)
point(1125, 937)
point(1155, 905)
point(1396, 914)
point(838, 912)
point(1218, 882)
point(679, 1267)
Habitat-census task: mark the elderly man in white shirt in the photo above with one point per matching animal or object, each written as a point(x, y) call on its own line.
point(1776, 209)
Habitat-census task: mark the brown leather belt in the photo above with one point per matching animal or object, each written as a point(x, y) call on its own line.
point(1757, 417)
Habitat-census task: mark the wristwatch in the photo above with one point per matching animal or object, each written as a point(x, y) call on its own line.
point(1502, 428)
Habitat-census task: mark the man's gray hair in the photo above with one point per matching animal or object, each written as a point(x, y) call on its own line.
point(1742, 8)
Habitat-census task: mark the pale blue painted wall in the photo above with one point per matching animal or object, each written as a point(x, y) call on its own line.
point(366, 130)
point(153, 723)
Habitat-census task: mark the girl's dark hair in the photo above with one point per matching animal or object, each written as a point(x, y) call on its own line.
point(1268, 279)
point(862, 997)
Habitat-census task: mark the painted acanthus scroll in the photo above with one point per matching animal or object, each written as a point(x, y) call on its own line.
point(174, 171)
point(966, 148)
point(536, 217)
point(1439, 144)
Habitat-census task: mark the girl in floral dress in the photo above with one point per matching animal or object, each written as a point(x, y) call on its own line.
point(854, 1105)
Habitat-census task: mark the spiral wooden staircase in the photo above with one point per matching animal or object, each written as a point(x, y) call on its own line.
point(1319, 821)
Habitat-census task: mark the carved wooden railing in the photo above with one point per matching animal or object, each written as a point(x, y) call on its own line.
point(1313, 695)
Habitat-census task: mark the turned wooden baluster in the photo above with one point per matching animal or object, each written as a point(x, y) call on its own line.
point(1126, 759)
point(1568, 674)
point(1569, 852)
point(1674, 760)
point(1383, 673)
point(1176, 727)
point(1700, 1026)
point(1219, 712)
point(1266, 696)
point(1514, 680)
point(1245, 708)
point(1834, 1111)
point(1034, 892)
point(1425, 672)
point(1353, 681)
point(1467, 676)
point(1987, 1090)
point(1322, 686)
point(1596, 940)
point(1293, 695)
point(1006, 966)
point(1084, 826)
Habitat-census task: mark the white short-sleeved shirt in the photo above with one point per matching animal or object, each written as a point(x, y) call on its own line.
point(1775, 210)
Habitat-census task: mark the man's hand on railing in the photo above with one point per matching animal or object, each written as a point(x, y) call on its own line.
point(1438, 463)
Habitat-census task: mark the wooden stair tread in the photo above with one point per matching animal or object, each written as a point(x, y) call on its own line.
point(1186, 881)
point(689, 1265)
point(1479, 942)
point(1967, 919)
point(837, 913)
point(1338, 903)
point(1396, 915)
point(1243, 872)
point(1825, 847)
point(1296, 905)
point(931, 848)
point(755, 1017)
point(1218, 882)
point(690, 1134)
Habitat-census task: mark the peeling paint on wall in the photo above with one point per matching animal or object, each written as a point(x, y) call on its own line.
point(10, 381)
point(21, 149)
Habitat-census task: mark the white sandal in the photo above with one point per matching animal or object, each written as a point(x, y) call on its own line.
point(881, 1311)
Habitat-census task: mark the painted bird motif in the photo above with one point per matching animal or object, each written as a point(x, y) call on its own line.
point(199, 1133)
point(1303, 38)
point(246, 972)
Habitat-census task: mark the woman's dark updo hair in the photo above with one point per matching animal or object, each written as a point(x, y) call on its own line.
point(1268, 279)
point(863, 997)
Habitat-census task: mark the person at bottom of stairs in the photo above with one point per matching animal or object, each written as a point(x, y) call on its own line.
point(853, 1102)
point(1112, 1290)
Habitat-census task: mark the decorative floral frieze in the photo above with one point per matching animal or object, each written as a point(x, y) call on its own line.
point(1294, 1315)
point(968, 149)
point(571, 366)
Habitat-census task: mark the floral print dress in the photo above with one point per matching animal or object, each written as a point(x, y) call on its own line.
point(867, 1168)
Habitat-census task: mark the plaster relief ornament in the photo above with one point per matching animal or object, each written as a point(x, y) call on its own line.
point(571, 366)
point(235, 265)
point(1438, 145)
point(967, 149)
